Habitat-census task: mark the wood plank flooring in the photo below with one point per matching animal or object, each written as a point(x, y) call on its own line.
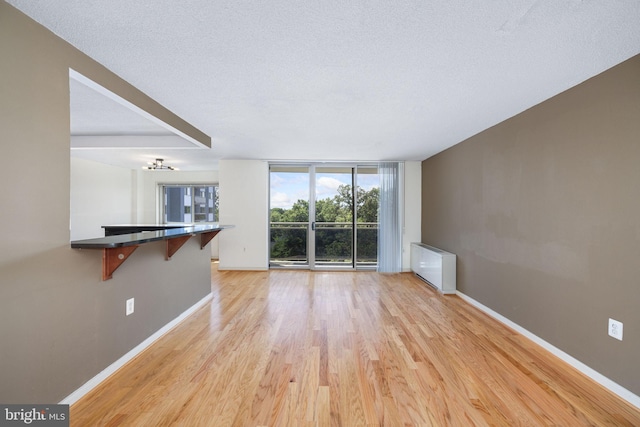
point(300, 348)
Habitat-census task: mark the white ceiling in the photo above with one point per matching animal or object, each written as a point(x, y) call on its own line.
point(342, 80)
point(106, 128)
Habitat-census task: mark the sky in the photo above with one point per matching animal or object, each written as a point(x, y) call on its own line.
point(286, 188)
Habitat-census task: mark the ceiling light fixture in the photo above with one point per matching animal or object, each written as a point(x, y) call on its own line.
point(159, 165)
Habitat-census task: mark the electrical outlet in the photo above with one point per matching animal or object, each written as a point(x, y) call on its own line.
point(130, 306)
point(615, 329)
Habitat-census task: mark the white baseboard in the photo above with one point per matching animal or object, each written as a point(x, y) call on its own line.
point(109, 370)
point(591, 373)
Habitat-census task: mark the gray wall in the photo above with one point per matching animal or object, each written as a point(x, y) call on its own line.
point(543, 211)
point(60, 325)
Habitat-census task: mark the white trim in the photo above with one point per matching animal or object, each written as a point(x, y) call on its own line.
point(590, 372)
point(111, 369)
point(222, 268)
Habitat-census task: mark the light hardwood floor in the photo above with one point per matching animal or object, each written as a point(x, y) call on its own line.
point(297, 348)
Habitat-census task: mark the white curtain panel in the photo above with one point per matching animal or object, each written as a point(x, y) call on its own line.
point(391, 217)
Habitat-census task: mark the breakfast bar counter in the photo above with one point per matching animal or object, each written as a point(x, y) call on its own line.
point(116, 248)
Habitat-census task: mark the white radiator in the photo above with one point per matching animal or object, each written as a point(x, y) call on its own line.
point(435, 266)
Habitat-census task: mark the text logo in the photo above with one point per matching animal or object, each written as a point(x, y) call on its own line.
point(34, 415)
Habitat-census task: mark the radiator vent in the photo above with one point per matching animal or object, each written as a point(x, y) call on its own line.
point(435, 266)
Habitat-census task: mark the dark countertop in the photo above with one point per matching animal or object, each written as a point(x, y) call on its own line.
point(132, 239)
point(111, 230)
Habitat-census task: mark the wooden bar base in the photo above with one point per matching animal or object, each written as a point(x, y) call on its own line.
point(174, 244)
point(206, 238)
point(112, 258)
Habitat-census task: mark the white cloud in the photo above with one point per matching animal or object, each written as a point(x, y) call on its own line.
point(280, 200)
point(367, 182)
point(327, 187)
point(329, 183)
point(276, 180)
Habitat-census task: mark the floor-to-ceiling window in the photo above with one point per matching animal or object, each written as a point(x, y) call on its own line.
point(289, 216)
point(367, 216)
point(323, 216)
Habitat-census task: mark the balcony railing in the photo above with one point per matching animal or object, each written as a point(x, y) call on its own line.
point(334, 243)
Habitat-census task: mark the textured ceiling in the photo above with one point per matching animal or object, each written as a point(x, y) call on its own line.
point(345, 80)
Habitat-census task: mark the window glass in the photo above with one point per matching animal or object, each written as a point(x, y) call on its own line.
point(190, 203)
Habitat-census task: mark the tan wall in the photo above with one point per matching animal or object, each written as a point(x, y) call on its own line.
point(543, 211)
point(60, 325)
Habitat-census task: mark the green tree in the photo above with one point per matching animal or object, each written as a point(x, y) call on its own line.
point(368, 204)
point(344, 202)
point(277, 214)
point(326, 210)
point(299, 212)
point(289, 243)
